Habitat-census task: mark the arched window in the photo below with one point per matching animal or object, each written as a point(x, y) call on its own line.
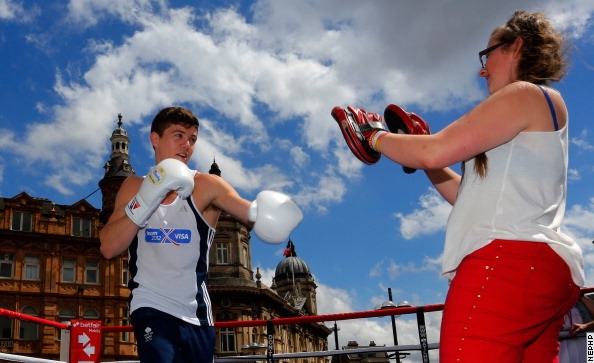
point(66, 314)
point(6, 324)
point(91, 314)
point(29, 329)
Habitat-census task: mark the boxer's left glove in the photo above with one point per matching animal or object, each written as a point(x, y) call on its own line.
point(168, 175)
point(357, 126)
point(275, 216)
point(402, 122)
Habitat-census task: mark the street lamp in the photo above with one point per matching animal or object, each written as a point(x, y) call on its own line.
point(390, 304)
point(335, 329)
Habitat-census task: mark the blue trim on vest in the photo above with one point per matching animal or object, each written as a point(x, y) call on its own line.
point(204, 309)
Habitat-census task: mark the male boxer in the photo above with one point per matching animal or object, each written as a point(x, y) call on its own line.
point(167, 225)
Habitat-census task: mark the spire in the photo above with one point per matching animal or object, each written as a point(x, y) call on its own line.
point(119, 163)
point(214, 168)
point(119, 141)
point(116, 170)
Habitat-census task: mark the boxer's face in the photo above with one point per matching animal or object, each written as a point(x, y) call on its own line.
point(177, 142)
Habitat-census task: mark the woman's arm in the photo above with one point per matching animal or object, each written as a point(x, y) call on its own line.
point(446, 181)
point(517, 107)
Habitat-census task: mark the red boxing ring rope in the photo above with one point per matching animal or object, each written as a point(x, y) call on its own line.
point(418, 310)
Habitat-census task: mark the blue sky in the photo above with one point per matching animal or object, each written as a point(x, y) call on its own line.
point(262, 76)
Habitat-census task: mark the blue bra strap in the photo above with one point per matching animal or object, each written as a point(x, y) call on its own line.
point(550, 106)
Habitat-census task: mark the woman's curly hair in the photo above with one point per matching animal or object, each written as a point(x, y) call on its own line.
point(544, 54)
point(544, 58)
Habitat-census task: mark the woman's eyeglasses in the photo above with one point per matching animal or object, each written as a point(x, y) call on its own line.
point(483, 54)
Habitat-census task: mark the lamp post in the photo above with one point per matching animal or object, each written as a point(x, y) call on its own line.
point(336, 329)
point(390, 304)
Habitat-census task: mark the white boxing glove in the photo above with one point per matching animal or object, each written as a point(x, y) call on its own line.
point(275, 216)
point(168, 175)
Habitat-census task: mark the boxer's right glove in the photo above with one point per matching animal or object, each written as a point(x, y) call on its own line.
point(275, 216)
point(168, 175)
point(402, 122)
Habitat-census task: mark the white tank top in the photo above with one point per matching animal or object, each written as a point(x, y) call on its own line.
point(521, 198)
point(168, 262)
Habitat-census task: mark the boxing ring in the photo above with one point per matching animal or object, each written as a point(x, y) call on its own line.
point(82, 339)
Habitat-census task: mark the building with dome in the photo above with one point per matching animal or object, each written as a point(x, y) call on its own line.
point(294, 282)
point(51, 267)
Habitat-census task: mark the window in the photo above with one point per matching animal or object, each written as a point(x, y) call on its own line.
point(64, 315)
point(5, 324)
point(227, 338)
point(125, 322)
point(92, 272)
point(222, 253)
point(125, 272)
point(22, 221)
point(68, 270)
point(91, 314)
point(31, 269)
point(81, 227)
point(6, 265)
point(28, 329)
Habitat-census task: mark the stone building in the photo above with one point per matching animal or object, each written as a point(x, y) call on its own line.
point(51, 267)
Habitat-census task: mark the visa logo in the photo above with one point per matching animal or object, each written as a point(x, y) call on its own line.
point(174, 236)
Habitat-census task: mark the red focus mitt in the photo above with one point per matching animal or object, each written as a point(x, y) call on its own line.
point(357, 126)
point(402, 122)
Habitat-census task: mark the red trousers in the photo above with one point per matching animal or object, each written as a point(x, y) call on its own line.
point(506, 305)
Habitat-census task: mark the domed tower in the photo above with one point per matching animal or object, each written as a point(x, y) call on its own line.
point(117, 169)
point(294, 282)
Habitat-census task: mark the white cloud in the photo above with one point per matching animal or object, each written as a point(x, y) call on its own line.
point(580, 219)
point(573, 17)
point(229, 66)
point(88, 13)
point(578, 224)
point(378, 330)
point(430, 218)
point(582, 142)
point(10, 9)
point(393, 270)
